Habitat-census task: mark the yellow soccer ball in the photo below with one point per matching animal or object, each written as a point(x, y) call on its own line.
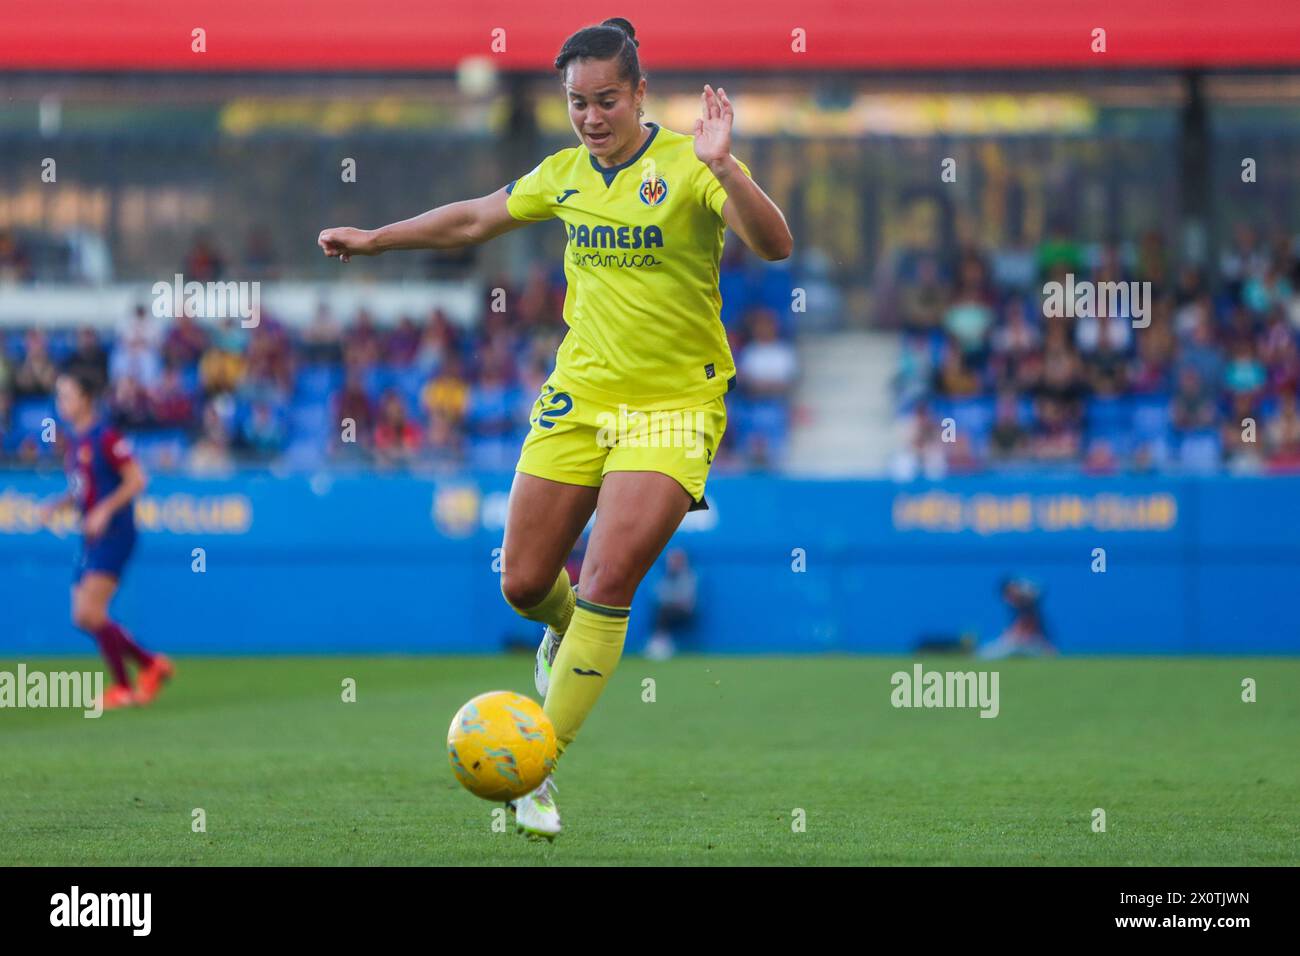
point(501, 745)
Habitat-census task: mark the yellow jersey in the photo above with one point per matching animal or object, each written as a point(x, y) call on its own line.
point(644, 241)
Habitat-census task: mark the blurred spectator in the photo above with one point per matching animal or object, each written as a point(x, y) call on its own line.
point(970, 316)
point(171, 404)
point(322, 340)
point(1201, 352)
point(397, 438)
point(1281, 358)
point(923, 449)
point(211, 452)
point(137, 360)
point(15, 266)
point(203, 263)
point(36, 372)
point(130, 403)
point(490, 411)
point(675, 597)
point(6, 416)
point(1007, 439)
point(184, 343)
point(913, 378)
point(1192, 287)
point(403, 342)
point(352, 405)
point(1273, 288)
point(1093, 333)
point(1243, 260)
point(437, 344)
point(268, 368)
point(923, 304)
point(1063, 383)
point(263, 434)
point(446, 396)
point(1100, 458)
point(362, 343)
point(90, 354)
point(767, 366)
point(1241, 453)
point(962, 456)
point(538, 301)
point(1284, 436)
point(141, 326)
point(1057, 437)
point(955, 378)
point(1105, 354)
point(222, 367)
point(1059, 254)
point(1192, 313)
point(1153, 263)
point(1192, 407)
point(1244, 373)
point(259, 255)
point(1152, 370)
point(1015, 342)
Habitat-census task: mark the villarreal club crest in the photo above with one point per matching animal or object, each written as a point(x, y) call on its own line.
point(654, 188)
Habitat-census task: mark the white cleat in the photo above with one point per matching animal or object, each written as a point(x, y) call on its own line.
point(536, 815)
point(546, 652)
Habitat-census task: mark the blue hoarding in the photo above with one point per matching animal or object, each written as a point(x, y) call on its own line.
point(371, 564)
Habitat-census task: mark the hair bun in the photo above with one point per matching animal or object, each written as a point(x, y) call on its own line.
point(625, 26)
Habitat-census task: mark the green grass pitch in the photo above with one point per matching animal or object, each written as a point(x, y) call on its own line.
point(711, 772)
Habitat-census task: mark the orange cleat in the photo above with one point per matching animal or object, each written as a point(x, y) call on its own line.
point(152, 678)
point(118, 696)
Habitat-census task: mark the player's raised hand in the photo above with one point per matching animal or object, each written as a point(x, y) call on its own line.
point(713, 129)
point(344, 242)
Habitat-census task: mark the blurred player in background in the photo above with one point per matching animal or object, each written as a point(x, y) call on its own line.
point(103, 482)
point(646, 210)
point(1026, 636)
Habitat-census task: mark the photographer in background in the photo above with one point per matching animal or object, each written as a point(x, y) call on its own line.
point(1027, 635)
point(674, 606)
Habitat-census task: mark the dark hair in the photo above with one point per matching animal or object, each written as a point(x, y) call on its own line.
point(614, 39)
point(87, 379)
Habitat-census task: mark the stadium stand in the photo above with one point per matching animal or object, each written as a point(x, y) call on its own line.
point(424, 392)
point(1209, 385)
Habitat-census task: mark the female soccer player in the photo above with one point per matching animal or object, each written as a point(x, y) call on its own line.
point(627, 424)
point(103, 481)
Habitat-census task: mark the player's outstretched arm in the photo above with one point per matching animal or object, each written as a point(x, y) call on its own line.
point(457, 224)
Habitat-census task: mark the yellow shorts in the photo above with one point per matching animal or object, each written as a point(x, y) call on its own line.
point(578, 441)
